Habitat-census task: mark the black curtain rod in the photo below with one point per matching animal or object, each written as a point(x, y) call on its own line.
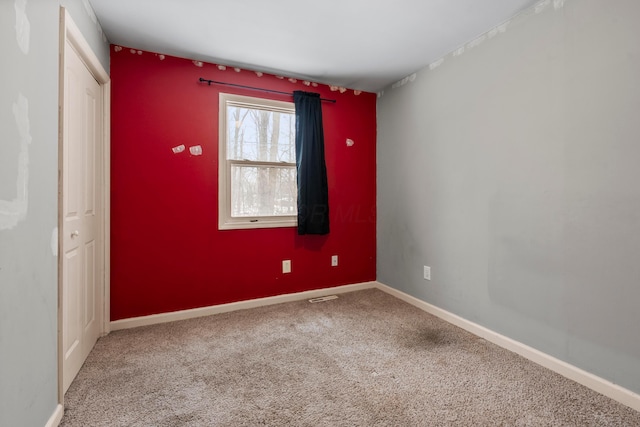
point(209, 82)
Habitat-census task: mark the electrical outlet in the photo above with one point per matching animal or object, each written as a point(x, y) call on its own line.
point(334, 260)
point(286, 266)
point(427, 273)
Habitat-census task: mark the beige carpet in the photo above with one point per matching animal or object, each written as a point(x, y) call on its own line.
point(365, 359)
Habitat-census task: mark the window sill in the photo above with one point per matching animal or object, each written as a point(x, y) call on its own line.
point(248, 224)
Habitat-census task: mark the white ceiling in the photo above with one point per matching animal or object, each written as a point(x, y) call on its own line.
point(359, 44)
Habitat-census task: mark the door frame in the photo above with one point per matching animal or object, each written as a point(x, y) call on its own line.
point(70, 33)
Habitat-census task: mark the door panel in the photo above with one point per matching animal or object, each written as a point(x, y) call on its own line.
point(90, 152)
point(82, 244)
point(71, 295)
point(90, 285)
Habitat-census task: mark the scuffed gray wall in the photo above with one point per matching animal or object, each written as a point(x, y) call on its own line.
point(512, 169)
point(29, 34)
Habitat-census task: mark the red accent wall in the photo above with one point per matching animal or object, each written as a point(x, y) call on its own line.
point(167, 253)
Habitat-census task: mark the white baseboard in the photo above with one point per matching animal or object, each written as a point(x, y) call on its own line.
point(56, 417)
point(602, 386)
point(135, 322)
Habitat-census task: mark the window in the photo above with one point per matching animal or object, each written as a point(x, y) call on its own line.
point(257, 169)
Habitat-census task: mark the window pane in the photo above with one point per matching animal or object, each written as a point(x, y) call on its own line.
point(260, 135)
point(263, 191)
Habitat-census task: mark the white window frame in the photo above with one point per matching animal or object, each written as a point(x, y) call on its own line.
point(225, 220)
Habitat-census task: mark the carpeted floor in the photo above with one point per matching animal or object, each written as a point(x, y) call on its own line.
point(364, 359)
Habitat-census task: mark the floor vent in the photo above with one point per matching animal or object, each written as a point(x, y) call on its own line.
point(323, 299)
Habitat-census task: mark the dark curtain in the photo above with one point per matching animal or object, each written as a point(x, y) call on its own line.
point(313, 192)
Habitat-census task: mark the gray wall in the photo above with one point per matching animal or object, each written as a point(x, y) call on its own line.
point(29, 203)
point(513, 170)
